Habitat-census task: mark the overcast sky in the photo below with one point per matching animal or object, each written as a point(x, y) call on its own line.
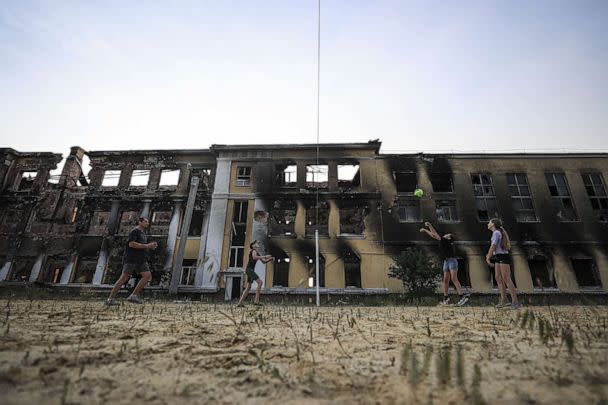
point(419, 75)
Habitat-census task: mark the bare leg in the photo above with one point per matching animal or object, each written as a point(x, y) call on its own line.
point(446, 283)
point(257, 291)
point(244, 295)
point(146, 276)
point(501, 285)
point(505, 269)
point(124, 277)
point(455, 281)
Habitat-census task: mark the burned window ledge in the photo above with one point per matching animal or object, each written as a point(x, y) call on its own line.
point(350, 236)
point(284, 236)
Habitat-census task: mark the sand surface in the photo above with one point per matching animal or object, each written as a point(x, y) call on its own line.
point(60, 352)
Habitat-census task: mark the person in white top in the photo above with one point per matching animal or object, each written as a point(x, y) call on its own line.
point(498, 257)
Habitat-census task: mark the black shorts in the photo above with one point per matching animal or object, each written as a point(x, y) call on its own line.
point(503, 258)
point(135, 268)
point(251, 275)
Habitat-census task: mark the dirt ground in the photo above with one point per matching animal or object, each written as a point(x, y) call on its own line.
point(59, 352)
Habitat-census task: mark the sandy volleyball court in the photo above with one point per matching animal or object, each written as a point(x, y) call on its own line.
point(57, 352)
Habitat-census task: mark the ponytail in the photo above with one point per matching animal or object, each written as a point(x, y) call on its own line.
point(505, 241)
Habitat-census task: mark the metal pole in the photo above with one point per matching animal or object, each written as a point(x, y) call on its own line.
point(317, 265)
point(179, 259)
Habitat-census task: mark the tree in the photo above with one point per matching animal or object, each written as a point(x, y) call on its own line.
point(417, 272)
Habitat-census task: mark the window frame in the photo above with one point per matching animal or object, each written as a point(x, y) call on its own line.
point(521, 197)
point(243, 179)
point(561, 197)
point(483, 196)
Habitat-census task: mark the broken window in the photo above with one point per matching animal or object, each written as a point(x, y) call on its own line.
point(237, 234)
point(596, 190)
point(188, 272)
point(10, 221)
point(160, 222)
point(169, 178)
point(542, 276)
point(446, 211)
point(287, 175)
point(139, 178)
point(463, 273)
point(196, 223)
point(85, 270)
point(409, 211)
point(283, 217)
point(110, 178)
point(352, 215)
point(442, 182)
point(280, 276)
point(128, 220)
point(311, 218)
point(521, 198)
point(206, 181)
point(99, 223)
point(54, 271)
point(26, 181)
point(352, 269)
point(485, 199)
point(406, 182)
point(560, 193)
point(316, 176)
point(243, 176)
point(21, 269)
point(586, 273)
point(312, 270)
point(348, 177)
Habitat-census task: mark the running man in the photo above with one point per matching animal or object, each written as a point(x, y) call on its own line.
point(134, 262)
point(252, 275)
point(498, 257)
point(450, 264)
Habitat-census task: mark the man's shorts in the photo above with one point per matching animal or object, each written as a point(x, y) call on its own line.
point(251, 276)
point(504, 258)
point(135, 268)
point(451, 263)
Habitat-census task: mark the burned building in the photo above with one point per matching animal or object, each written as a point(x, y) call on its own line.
point(361, 202)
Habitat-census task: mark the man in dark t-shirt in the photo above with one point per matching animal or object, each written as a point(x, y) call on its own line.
point(134, 262)
point(450, 263)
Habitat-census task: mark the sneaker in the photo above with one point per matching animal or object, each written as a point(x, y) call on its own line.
point(515, 305)
point(111, 301)
point(445, 301)
point(135, 299)
point(240, 305)
point(463, 300)
point(502, 305)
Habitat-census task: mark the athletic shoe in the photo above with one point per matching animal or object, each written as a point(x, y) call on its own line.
point(240, 305)
point(445, 301)
point(515, 305)
point(111, 301)
point(463, 300)
point(135, 299)
point(501, 305)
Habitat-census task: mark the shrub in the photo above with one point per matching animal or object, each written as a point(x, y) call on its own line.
point(417, 272)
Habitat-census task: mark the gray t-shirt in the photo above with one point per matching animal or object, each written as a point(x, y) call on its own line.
point(497, 241)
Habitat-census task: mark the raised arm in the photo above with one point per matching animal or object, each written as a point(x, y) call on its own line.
point(431, 231)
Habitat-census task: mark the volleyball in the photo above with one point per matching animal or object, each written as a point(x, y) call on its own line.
point(418, 192)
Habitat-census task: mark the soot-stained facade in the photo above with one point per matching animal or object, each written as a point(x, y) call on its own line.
point(73, 231)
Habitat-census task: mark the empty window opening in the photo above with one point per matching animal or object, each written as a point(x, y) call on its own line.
point(542, 274)
point(188, 272)
point(311, 218)
point(442, 182)
point(139, 178)
point(169, 178)
point(446, 211)
point(128, 221)
point(239, 215)
point(586, 273)
point(521, 199)
point(409, 211)
point(312, 272)
point(560, 193)
point(406, 182)
point(596, 190)
point(54, 271)
point(85, 270)
point(160, 222)
point(287, 175)
point(352, 217)
point(352, 270)
point(283, 217)
point(316, 176)
point(238, 234)
point(485, 199)
point(21, 269)
point(206, 179)
point(463, 273)
point(99, 223)
point(196, 223)
point(280, 273)
point(26, 182)
point(110, 178)
point(349, 177)
point(243, 176)
point(10, 221)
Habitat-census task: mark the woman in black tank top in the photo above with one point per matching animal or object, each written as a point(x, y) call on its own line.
point(251, 274)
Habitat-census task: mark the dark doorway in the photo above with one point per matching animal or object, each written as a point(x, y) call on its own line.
point(280, 277)
point(586, 273)
point(236, 290)
point(352, 270)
